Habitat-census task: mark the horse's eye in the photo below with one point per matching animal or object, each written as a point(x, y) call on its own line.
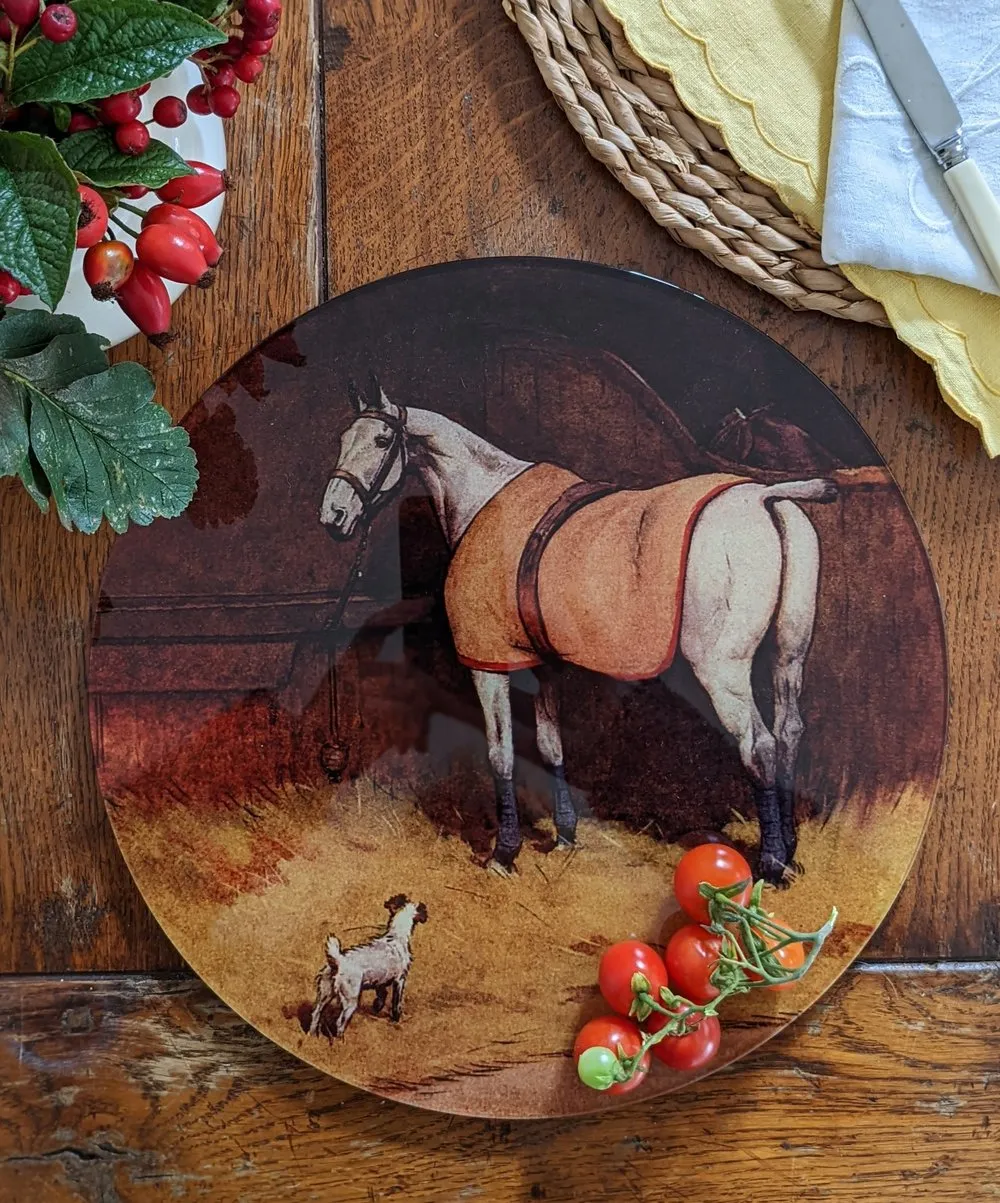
point(383, 440)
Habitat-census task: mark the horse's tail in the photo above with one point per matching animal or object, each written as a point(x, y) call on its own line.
point(333, 951)
point(817, 489)
point(800, 555)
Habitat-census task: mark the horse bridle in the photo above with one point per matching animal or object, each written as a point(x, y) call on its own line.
point(372, 496)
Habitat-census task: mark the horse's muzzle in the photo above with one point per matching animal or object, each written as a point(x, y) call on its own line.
point(340, 533)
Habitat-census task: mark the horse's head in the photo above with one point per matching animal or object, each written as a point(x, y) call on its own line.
point(371, 465)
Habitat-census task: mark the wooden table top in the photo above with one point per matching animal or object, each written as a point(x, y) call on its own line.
point(388, 136)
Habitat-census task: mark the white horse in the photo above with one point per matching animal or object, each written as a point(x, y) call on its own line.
point(753, 561)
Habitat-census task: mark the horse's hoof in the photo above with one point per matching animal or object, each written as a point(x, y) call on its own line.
point(773, 870)
point(502, 860)
point(501, 870)
point(565, 837)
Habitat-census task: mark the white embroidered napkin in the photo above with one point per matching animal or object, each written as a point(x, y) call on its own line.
point(887, 204)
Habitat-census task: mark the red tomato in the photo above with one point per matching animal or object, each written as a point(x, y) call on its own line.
point(791, 957)
point(614, 1032)
point(720, 866)
point(692, 956)
point(692, 1051)
point(619, 963)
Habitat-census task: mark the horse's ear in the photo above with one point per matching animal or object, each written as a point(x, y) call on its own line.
point(354, 396)
point(376, 397)
point(395, 903)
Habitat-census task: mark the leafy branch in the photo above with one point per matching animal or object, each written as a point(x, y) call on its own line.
point(83, 433)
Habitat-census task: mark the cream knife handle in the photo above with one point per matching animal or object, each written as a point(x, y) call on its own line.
point(980, 208)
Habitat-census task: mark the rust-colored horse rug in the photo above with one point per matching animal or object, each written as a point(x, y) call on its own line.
point(554, 567)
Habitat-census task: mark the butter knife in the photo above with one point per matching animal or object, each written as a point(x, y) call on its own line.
point(923, 94)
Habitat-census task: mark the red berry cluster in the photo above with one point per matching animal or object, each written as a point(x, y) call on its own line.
point(241, 58)
point(173, 244)
point(57, 22)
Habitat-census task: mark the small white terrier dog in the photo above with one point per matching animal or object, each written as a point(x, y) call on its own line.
point(378, 965)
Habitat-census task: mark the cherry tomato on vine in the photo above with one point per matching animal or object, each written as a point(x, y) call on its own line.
point(619, 963)
point(717, 864)
point(692, 956)
point(691, 1051)
point(790, 957)
point(614, 1033)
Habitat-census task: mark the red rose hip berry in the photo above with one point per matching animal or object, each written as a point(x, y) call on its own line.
point(170, 112)
point(93, 219)
point(58, 23)
point(120, 108)
point(106, 267)
point(193, 191)
point(144, 300)
point(173, 255)
point(224, 101)
point(179, 218)
point(258, 46)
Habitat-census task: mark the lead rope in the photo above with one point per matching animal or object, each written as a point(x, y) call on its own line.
point(354, 575)
point(333, 754)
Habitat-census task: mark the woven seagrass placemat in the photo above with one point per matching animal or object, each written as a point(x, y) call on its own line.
point(631, 120)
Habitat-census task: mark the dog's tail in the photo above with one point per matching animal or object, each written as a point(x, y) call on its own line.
point(333, 951)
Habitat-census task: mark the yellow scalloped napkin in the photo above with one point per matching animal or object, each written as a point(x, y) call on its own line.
point(763, 71)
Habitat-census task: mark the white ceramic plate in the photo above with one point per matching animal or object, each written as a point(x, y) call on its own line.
point(200, 138)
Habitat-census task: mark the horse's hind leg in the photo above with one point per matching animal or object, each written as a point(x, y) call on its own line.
point(494, 697)
point(731, 592)
point(727, 683)
point(793, 628)
point(549, 737)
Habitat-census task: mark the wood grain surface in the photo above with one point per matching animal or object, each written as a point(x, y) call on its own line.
point(149, 1089)
point(425, 135)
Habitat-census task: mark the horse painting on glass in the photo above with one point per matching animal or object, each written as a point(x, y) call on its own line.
point(708, 564)
point(595, 593)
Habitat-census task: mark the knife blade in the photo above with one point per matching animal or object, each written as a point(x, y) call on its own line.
point(922, 92)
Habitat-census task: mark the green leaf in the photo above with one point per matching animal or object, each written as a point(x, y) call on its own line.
point(119, 44)
point(13, 427)
point(109, 450)
point(25, 331)
point(93, 154)
point(33, 479)
point(62, 115)
point(66, 358)
point(209, 9)
point(39, 206)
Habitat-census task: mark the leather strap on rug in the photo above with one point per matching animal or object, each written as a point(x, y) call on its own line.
point(528, 605)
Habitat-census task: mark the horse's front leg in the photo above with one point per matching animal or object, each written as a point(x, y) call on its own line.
point(549, 736)
point(494, 697)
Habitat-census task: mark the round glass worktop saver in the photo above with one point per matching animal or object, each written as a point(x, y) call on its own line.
point(506, 582)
